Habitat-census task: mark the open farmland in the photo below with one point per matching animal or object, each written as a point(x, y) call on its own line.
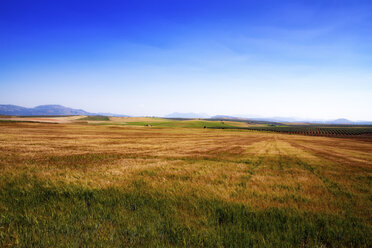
point(121, 183)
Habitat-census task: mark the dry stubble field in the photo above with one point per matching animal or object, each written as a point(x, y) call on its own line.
point(73, 185)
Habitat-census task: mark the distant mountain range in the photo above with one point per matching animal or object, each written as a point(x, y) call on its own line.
point(340, 121)
point(14, 110)
point(46, 110)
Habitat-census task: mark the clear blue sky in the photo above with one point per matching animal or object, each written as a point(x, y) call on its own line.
point(310, 59)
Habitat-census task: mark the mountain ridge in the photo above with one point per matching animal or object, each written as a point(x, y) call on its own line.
point(55, 109)
point(49, 109)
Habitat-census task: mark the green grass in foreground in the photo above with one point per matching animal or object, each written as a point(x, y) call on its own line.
point(35, 213)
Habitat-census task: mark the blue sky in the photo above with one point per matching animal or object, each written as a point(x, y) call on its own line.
point(309, 59)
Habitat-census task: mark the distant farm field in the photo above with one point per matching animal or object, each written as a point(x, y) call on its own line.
point(161, 183)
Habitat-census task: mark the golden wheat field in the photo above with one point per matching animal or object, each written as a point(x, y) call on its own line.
point(76, 184)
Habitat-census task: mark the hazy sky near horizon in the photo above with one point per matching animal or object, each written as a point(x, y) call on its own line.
point(309, 59)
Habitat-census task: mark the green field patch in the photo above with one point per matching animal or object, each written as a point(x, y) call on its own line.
point(37, 213)
point(185, 124)
point(95, 118)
